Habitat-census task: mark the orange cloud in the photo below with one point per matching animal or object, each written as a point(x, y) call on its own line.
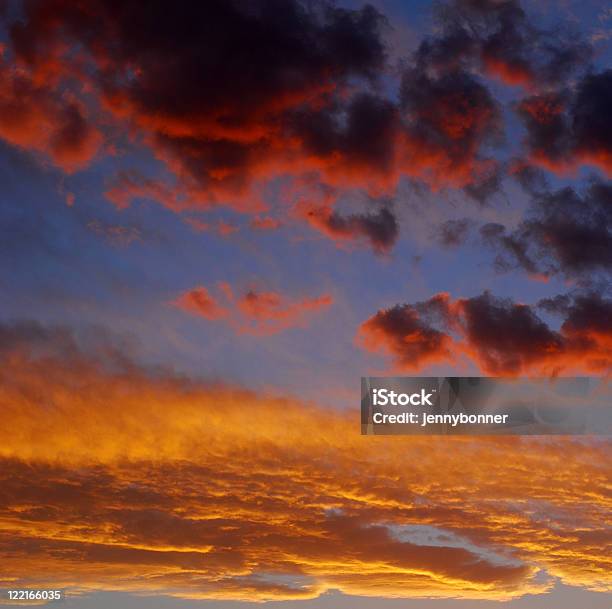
point(114, 478)
point(255, 311)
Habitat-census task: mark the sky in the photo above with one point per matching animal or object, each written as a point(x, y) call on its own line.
point(216, 217)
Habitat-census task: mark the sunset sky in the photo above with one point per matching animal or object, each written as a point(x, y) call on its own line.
point(217, 216)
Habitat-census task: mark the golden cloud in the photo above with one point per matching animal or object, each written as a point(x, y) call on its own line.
point(115, 478)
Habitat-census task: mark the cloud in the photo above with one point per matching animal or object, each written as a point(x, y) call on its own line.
point(272, 307)
point(568, 129)
point(401, 332)
point(454, 233)
point(221, 131)
point(499, 39)
point(131, 185)
point(507, 337)
point(351, 137)
point(453, 110)
point(265, 223)
point(255, 311)
point(117, 477)
point(563, 232)
point(532, 179)
point(500, 336)
point(379, 229)
point(586, 321)
point(221, 227)
point(116, 234)
point(450, 117)
point(230, 97)
point(307, 102)
point(34, 116)
point(198, 301)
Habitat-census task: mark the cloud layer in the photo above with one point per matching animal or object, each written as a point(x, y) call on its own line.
point(120, 478)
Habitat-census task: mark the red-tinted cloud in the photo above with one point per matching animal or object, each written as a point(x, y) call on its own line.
point(401, 332)
point(502, 337)
point(514, 73)
point(379, 228)
point(452, 112)
point(198, 301)
point(221, 131)
point(231, 96)
point(304, 105)
point(37, 117)
point(254, 311)
point(565, 131)
point(130, 185)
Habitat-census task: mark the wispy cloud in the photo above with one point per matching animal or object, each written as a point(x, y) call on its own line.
point(254, 311)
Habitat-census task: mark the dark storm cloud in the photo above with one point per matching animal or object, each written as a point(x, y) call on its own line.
point(495, 235)
point(506, 336)
point(544, 117)
point(213, 84)
point(569, 128)
point(588, 312)
point(501, 336)
point(558, 305)
point(401, 332)
point(591, 121)
point(490, 38)
point(380, 228)
point(563, 232)
point(363, 131)
point(453, 111)
point(449, 110)
point(229, 95)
